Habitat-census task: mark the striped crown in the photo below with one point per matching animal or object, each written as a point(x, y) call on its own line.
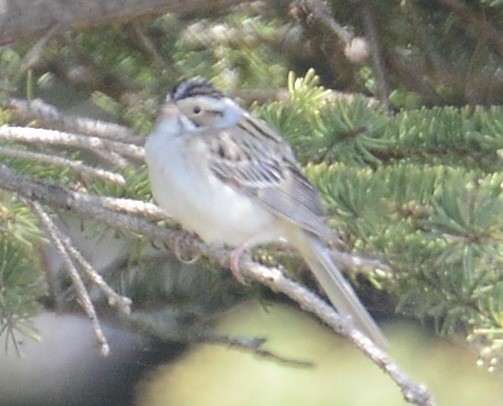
point(193, 87)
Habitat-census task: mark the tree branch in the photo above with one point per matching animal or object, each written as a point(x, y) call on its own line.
point(67, 163)
point(48, 116)
point(412, 392)
point(152, 326)
point(23, 18)
point(321, 13)
point(369, 22)
point(114, 149)
point(82, 204)
point(57, 238)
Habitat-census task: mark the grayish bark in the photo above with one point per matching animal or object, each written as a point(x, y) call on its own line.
point(30, 18)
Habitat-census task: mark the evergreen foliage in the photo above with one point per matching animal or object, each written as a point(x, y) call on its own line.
point(419, 188)
point(21, 285)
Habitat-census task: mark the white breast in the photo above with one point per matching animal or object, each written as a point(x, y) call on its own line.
point(185, 188)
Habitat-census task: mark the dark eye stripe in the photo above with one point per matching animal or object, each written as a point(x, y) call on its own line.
point(219, 113)
point(215, 112)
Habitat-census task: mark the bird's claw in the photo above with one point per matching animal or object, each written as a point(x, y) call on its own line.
point(234, 262)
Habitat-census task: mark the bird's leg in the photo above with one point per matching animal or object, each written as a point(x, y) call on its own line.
point(236, 255)
point(235, 258)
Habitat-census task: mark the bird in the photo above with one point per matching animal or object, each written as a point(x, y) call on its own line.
point(230, 178)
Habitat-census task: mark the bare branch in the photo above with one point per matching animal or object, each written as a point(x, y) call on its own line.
point(23, 18)
point(147, 324)
point(137, 207)
point(61, 198)
point(81, 204)
point(48, 116)
point(31, 58)
point(321, 13)
point(55, 160)
point(369, 22)
point(348, 261)
point(51, 137)
point(56, 237)
point(122, 303)
point(310, 302)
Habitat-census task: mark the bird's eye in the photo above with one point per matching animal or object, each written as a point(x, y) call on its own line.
point(196, 110)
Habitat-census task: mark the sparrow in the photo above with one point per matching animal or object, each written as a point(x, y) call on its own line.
point(228, 177)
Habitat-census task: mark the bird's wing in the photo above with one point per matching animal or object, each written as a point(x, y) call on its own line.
point(257, 161)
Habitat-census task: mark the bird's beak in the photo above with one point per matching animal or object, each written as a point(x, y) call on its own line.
point(169, 111)
point(169, 119)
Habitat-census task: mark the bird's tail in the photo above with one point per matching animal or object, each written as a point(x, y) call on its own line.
point(338, 290)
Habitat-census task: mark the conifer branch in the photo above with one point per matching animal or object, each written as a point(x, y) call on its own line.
point(61, 198)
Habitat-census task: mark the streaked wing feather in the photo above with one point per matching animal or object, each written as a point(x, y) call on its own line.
point(264, 167)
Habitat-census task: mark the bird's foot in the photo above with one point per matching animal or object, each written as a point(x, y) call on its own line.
point(236, 255)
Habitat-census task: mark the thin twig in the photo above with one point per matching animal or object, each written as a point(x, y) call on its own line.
point(150, 48)
point(113, 149)
point(121, 303)
point(94, 144)
point(48, 116)
point(369, 22)
point(57, 237)
point(80, 203)
point(61, 198)
point(348, 261)
point(147, 324)
point(321, 13)
point(247, 344)
point(31, 58)
point(412, 392)
point(112, 157)
point(69, 163)
point(130, 206)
